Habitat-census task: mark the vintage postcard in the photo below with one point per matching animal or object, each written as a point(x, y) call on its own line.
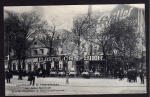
point(75, 49)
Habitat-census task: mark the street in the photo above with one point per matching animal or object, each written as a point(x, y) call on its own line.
point(76, 86)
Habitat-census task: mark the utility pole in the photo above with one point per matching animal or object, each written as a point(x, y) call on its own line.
point(90, 28)
point(67, 79)
point(89, 21)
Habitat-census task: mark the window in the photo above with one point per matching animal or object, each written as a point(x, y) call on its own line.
point(41, 51)
point(29, 66)
point(35, 52)
point(14, 66)
point(35, 65)
point(35, 43)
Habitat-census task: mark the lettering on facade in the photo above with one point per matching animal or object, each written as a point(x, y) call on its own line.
point(120, 14)
point(69, 58)
point(74, 58)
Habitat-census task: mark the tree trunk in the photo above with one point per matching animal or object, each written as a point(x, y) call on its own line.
point(104, 53)
point(51, 42)
point(23, 64)
point(19, 64)
point(19, 59)
point(23, 59)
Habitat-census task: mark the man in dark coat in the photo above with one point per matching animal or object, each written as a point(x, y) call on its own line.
point(20, 74)
point(129, 75)
point(141, 74)
point(132, 74)
point(37, 72)
point(43, 72)
point(120, 74)
point(11, 74)
point(31, 77)
point(135, 75)
point(24, 72)
point(8, 75)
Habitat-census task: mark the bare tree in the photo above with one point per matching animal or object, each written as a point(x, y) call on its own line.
point(85, 27)
point(55, 23)
point(51, 40)
point(105, 41)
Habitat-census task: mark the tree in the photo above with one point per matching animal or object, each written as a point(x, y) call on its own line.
point(126, 38)
point(105, 41)
point(12, 31)
point(52, 37)
point(51, 40)
point(85, 26)
point(18, 28)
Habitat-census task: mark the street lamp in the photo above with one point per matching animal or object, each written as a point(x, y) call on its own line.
point(67, 74)
point(67, 71)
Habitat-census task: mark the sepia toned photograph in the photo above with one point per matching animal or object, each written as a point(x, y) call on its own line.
point(75, 49)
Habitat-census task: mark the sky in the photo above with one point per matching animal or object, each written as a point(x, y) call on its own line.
point(64, 13)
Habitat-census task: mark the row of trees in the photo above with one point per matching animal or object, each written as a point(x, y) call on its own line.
point(119, 35)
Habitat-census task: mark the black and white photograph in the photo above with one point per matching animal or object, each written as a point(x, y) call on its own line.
point(75, 49)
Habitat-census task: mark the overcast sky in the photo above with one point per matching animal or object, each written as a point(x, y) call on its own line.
point(64, 13)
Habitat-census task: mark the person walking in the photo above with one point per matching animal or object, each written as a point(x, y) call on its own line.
point(8, 75)
point(43, 72)
point(32, 77)
point(11, 74)
point(141, 74)
point(20, 74)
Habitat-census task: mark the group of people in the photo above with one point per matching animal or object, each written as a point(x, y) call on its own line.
point(9, 75)
point(119, 73)
point(132, 75)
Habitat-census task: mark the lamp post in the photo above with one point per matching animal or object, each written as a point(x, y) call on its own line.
point(67, 75)
point(67, 79)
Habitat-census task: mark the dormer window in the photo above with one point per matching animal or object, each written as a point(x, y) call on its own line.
point(35, 43)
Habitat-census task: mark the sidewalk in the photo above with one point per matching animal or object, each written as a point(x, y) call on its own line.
point(77, 86)
point(95, 82)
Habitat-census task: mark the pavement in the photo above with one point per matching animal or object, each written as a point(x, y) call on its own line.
point(76, 86)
